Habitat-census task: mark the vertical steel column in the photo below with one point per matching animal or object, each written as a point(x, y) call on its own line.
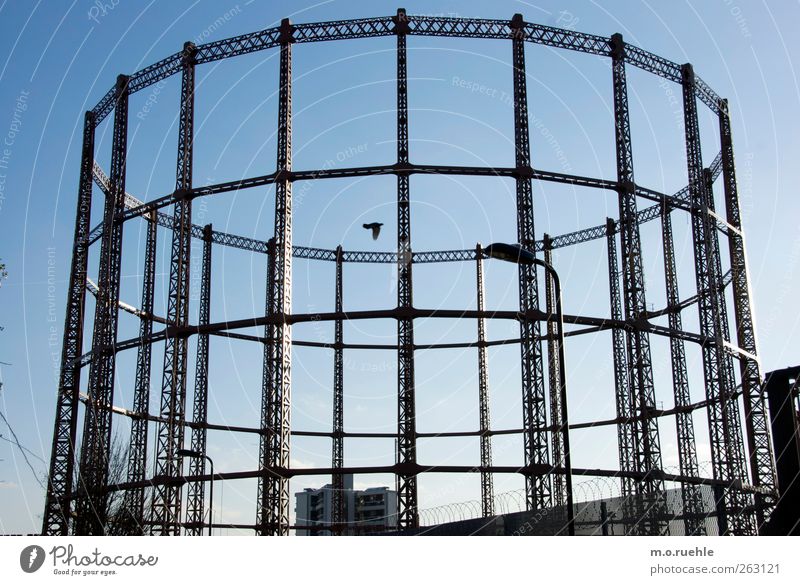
point(555, 381)
point(625, 404)
point(722, 412)
point(534, 412)
point(273, 485)
point(339, 518)
point(166, 512)
point(487, 486)
point(62, 457)
point(137, 447)
point(639, 360)
point(91, 508)
point(408, 515)
point(197, 465)
point(762, 463)
point(267, 381)
point(687, 449)
point(745, 500)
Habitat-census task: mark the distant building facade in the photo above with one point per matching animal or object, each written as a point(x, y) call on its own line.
point(370, 510)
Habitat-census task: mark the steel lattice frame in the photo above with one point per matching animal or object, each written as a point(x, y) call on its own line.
point(197, 465)
point(166, 504)
point(626, 437)
point(558, 449)
point(59, 486)
point(487, 484)
point(137, 448)
point(640, 368)
point(687, 447)
point(273, 484)
point(538, 487)
point(93, 470)
point(81, 508)
point(337, 456)
point(407, 516)
point(760, 446)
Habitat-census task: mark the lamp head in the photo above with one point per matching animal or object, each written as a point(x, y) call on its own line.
point(510, 253)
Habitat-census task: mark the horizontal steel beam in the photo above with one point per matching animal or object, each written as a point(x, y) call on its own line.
point(598, 323)
point(135, 210)
point(423, 435)
point(135, 207)
point(413, 25)
point(419, 469)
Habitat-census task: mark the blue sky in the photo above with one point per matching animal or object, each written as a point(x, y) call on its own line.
point(57, 59)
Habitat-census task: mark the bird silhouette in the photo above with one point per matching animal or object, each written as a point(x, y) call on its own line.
point(375, 227)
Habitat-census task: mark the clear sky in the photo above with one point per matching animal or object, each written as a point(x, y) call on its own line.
point(57, 59)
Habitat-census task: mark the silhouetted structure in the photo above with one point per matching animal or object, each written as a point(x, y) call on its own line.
point(743, 477)
point(783, 393)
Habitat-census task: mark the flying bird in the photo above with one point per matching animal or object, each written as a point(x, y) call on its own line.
point(375, 227)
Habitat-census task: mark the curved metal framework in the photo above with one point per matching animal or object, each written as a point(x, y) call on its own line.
point(743, 475)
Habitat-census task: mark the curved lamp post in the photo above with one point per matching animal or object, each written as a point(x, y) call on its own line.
point(198, 455)
point(519, 255)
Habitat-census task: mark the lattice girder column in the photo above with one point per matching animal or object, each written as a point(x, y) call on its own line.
point(166, 505)
point(273, 484)
point(762, 461)
point(726, 446)
point(95, 450)
point(639, 360)
point(338, 499)
point(265, 494)
point(58, 506)
point(407, 469)
point(534, 411)
point(625, 405)
point(137, 446)
point(684, 423)
point(745, 500)
point(554, 380)
point(195, 505)
point(487, 485)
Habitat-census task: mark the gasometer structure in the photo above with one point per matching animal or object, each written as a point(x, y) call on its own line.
point(164, 490)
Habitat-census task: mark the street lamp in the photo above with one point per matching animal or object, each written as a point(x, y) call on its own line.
point(519, 255)
point(198, 455)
